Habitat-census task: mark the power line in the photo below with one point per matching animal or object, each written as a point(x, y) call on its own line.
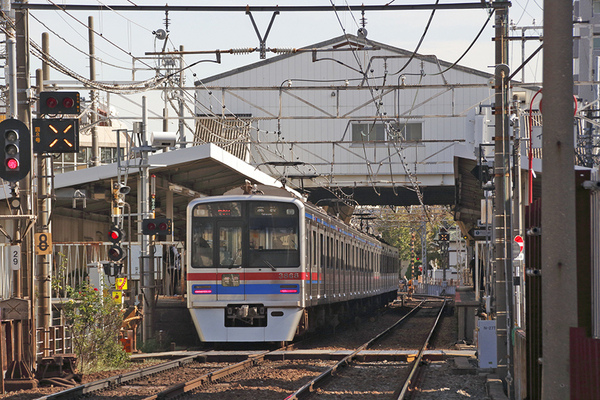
point(181, 8)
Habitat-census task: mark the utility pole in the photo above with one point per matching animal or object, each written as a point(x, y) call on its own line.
point(44, 261)
point(23, 278)
point(502, 218)
point(146, 267)
point(181, 102)
point(93, 94)
point(517, 220)
point(559, 272)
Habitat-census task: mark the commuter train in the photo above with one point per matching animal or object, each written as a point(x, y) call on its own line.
point(265, 268)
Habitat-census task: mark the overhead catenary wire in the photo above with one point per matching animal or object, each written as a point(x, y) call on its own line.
point(96, 58)
point(379, 113)
point(63, 9)
point(187, 103)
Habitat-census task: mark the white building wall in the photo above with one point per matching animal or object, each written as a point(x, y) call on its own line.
point(309, 118)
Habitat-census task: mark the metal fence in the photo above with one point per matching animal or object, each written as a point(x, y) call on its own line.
point(440, 289)
point(71, 263)
point(53, 340)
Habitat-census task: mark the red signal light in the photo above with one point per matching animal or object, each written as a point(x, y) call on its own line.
point(68, 102)
point(12, 163)
point(51, 102)
point(156, 226)
point(59, 103)
point(116, 253)
point(115, 234)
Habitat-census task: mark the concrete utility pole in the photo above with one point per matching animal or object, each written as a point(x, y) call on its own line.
point(502, 218)
point(24, 112)
point(44, 168)
point(181, 102)
point(44, 261)
point(146, 266)
point(559, 271)
point(93, 94)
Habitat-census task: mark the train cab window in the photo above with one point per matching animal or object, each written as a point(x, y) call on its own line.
point(202, 249)
point(273, 235)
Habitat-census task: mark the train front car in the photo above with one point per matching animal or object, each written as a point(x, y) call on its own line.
point(245, 276)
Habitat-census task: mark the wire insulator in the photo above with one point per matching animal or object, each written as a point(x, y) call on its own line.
point(283, 50)
point(246, 50)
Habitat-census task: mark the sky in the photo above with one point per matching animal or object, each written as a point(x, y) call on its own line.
point(125, 33)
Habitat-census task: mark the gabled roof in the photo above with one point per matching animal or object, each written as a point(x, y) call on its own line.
point(344, 40)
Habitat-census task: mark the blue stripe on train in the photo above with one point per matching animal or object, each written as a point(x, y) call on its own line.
point(247, 289)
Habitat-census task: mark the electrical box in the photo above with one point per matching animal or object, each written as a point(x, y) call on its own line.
point(486, 344)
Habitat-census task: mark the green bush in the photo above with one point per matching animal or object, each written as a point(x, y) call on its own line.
point(95, 320)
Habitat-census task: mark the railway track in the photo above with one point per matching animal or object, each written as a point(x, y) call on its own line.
point(405, 373)
point(270, 374)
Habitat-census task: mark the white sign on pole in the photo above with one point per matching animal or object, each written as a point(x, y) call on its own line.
point(15, 257)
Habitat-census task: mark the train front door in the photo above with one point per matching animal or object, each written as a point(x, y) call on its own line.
point(230, 273)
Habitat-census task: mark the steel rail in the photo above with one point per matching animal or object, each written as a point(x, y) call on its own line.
point(409, 382)
point(91, 387)
point(185, 387)
point(309, 387)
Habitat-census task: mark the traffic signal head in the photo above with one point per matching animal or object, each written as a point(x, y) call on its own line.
point(157, 226)
point(16, 150)
point(55, 136)
point(115, 234)
point(116, 253)
point(112, 269)
point(59, 103)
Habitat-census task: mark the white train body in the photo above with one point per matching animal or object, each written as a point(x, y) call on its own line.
point(266, 268)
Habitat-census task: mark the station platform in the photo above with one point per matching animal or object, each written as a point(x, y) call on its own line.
point(173, 322)
point(466, 310)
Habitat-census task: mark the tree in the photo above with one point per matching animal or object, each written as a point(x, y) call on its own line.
point(398, 225)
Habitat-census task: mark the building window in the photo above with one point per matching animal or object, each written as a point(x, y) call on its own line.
point(368, 132)
point(372, 132)
point(408, 132)
point(596, 5)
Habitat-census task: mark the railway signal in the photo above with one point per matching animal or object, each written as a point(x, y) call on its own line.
point(59, 103)
point(115, 252)
point(157, 226)
point(16, 150)
point(55, 135)
point(444, 237)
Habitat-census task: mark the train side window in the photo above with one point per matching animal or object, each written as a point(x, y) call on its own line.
point(322, 250)
point(314, 248)
point(328, 259)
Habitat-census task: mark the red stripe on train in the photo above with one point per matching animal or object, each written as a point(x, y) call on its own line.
point(249, 276)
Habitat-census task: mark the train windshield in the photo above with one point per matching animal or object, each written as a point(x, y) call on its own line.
point(273, 235)
point(245, 234)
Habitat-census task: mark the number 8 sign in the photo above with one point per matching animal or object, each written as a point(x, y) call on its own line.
point(43, 243)
point(15, 257)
